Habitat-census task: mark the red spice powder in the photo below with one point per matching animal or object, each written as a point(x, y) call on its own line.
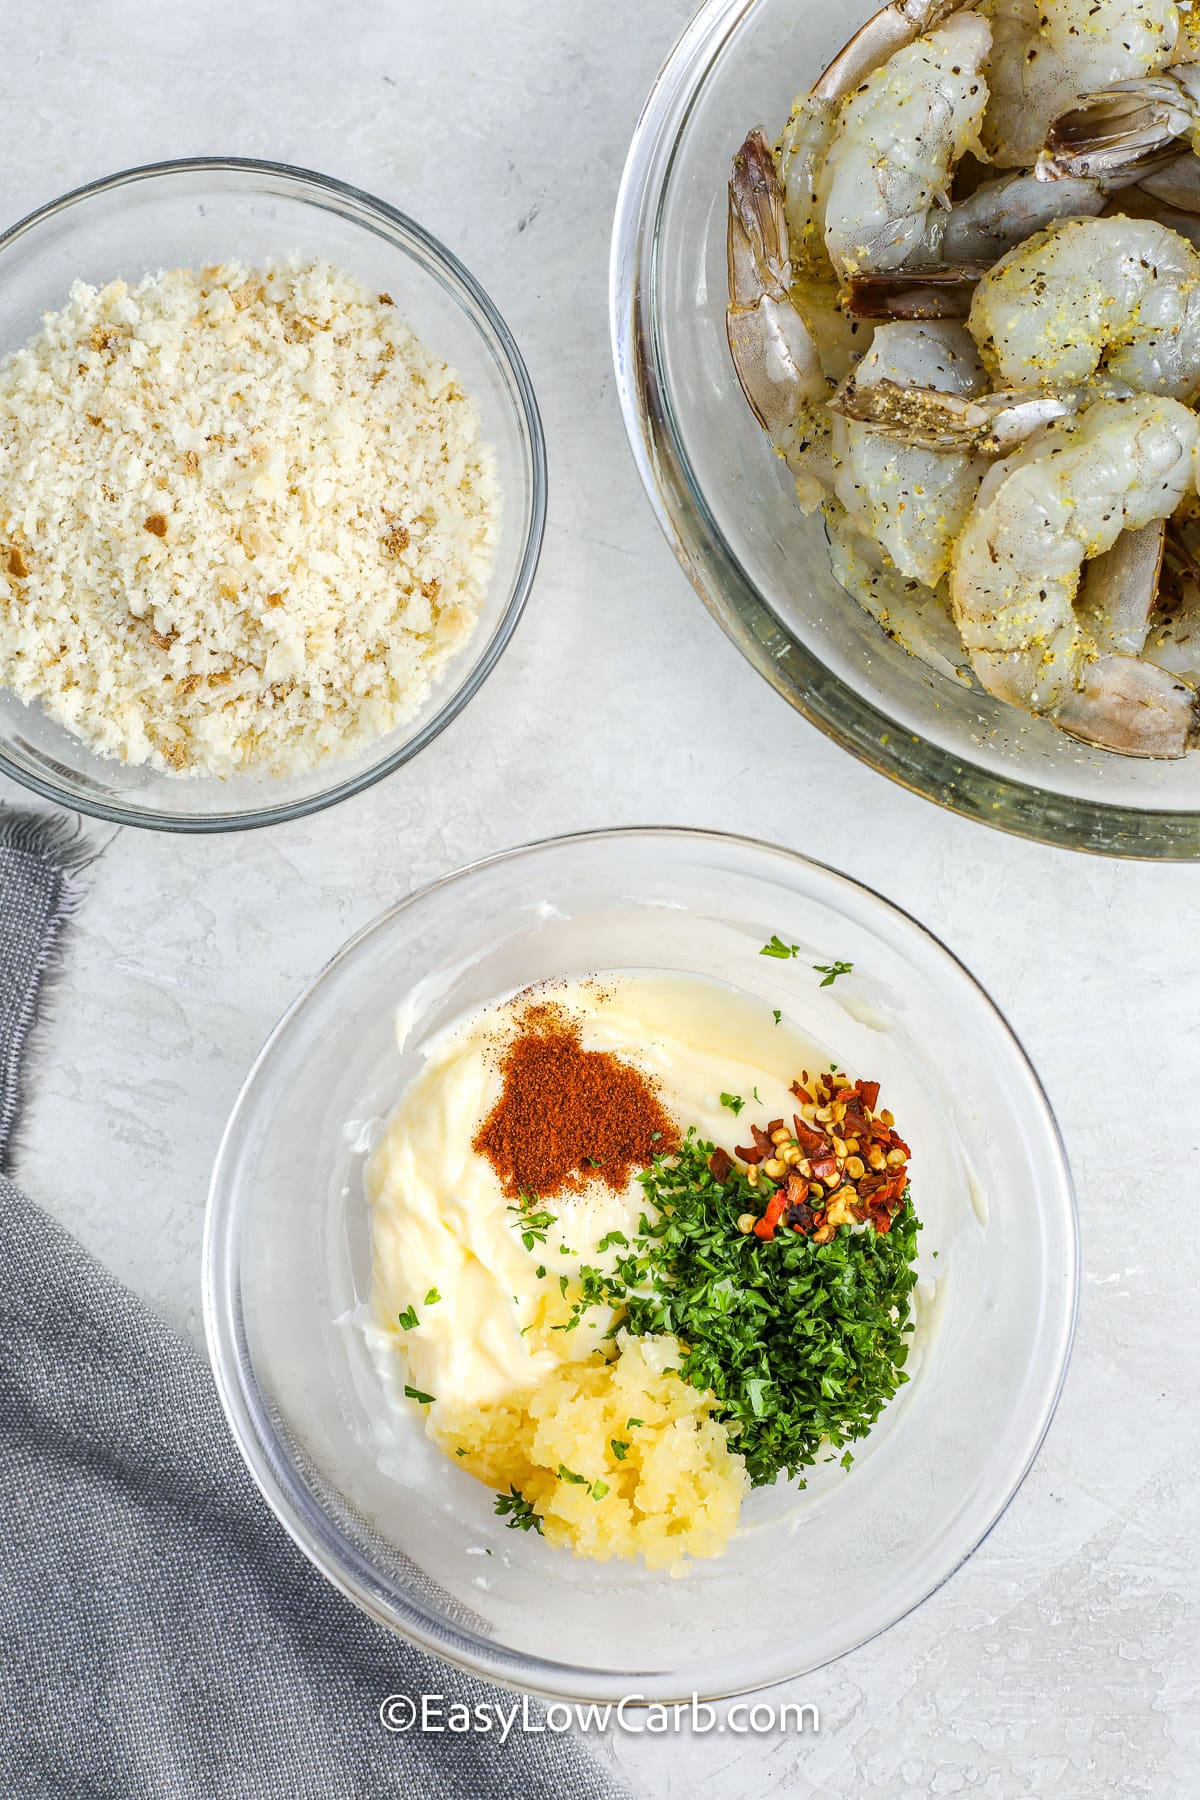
point(567, 1116)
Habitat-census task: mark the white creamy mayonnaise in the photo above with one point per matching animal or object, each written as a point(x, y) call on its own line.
point(441, 1220)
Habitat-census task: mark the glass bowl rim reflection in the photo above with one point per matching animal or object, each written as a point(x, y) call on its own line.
point(948, 777)
point(249, 1414)
point(441, 265)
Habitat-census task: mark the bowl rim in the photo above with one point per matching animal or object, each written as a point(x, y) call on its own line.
point(311, 1529)
point(505, 346)
point(948, 777)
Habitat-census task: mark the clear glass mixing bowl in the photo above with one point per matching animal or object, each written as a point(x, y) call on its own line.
point(211, 209)
point(726, 501)
point(811, 1574)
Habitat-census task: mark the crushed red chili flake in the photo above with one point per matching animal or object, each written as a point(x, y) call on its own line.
point(567, 1116)
point(833, 1184)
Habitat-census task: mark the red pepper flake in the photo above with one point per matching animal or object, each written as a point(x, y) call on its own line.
point(765, 1227)
point(811, 1141)
point(720, 1165)
point(802, 1093)
point(825, 1168)
point(748, 1153)
point(868, 1093)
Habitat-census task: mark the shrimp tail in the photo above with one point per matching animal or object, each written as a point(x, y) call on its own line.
point(890, 29)
point(1119, 129)
point(773, 350)
point(991, 425)
point(1133, 708)
point(913, 293)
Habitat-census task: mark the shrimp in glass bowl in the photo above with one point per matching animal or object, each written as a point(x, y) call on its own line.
point(791, 383)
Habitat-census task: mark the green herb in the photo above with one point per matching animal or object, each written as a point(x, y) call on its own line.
point(599, 1489)
point(776, 1014)
point(416, 1394)
point(654, 1136)
point(803, 1344)
point(432, 1297)
point(520, 1513)
point(847, 1459)
point(460, 1451)
point(564, 1251)
point(563, 1284)
point(756, 1096)
point(540, 1271)
point(734, 1102)
point(619, 1448)
point(408, 1318)
point(779, 949)
point(532, 1225)
point(565, 1474)
point(632, 1424)
point(609, 1239)
point(831, 971)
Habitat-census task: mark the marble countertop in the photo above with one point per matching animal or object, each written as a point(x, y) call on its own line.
point(1062, 1659)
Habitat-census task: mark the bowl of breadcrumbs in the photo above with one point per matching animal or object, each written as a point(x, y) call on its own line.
point(272, 491)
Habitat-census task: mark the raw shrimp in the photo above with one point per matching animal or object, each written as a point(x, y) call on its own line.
point(912, 501)
point(1016, 569)
point(1045, 53)
point(775, 350)
point(1116, 295)
point(897, 139)
point(809, 130)
point(914, 616)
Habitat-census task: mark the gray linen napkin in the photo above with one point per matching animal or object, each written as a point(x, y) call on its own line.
point(160, 1635)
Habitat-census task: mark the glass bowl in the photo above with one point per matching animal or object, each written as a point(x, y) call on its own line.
point(811, 1573)
point(726, 502)
point(209, 209)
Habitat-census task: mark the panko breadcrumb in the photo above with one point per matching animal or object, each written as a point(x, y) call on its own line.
point(246, 518)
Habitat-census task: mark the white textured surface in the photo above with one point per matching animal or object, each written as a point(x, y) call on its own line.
point(1062, 1660)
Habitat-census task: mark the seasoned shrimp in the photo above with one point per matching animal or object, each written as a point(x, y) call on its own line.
point(1045, 53)
point(897, 139)
point(809, 130)
point(774, 348)
point(914, 616)
point(1116, 295)
point(1015, 573)
point(913, 501)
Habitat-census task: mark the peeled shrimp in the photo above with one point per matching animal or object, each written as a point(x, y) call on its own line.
point(914, 616)
point(1045, 53)
point(809, 130)
point(913, 501)
point(1116, 295)
point(1016, 569)
point(897, 139)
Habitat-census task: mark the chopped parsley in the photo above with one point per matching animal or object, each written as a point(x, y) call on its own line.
point(432, 1297)
point(831, 971)
point(532, 1224)
point(734, 1102)
point(565, 1474)
point(803, 1344)
point(776, 1014)
point(632, 1424)
point(599, 1489)
point(619, 1448)
point(779, 949)
point(413, 1393)
point(408, 1319)
point(517, 1511)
